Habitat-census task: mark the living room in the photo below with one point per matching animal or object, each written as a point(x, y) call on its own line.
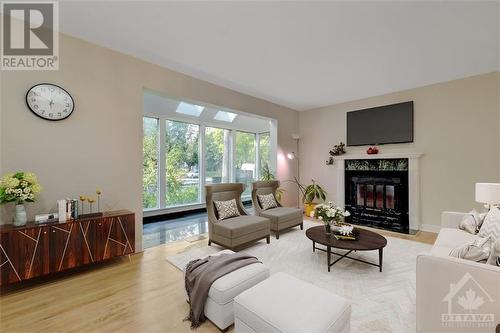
point(376, 121)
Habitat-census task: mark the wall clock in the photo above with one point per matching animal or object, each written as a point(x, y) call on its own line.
point(49, 101)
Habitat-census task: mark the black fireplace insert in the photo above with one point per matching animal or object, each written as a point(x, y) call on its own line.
point(377, 197)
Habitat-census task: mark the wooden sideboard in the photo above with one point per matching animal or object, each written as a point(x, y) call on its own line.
point(40, 249)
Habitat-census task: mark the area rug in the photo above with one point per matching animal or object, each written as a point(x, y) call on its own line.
point(381, 301)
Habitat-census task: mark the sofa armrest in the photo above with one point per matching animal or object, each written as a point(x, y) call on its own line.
point(451, 219)
point(441, 280)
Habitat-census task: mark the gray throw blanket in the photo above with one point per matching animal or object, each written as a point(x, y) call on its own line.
point(201, 273)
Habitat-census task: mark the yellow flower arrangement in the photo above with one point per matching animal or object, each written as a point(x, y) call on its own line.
point(19, 187)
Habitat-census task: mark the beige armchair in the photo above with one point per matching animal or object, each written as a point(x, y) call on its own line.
point(235, 231)
point(281, 217)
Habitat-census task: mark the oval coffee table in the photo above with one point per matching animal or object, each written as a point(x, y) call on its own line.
point(365, 241)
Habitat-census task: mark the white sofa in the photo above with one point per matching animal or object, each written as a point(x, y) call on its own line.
point(442, 280)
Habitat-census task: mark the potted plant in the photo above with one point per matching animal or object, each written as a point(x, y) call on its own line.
point(266, 174)
point(19, 187)
point(310, 193)
point(328, 213)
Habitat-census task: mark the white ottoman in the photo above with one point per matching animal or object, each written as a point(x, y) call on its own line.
point(283, 303)
point(219, 305)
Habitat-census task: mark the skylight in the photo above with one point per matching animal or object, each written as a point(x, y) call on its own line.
point(190, 109)
point(225, 116)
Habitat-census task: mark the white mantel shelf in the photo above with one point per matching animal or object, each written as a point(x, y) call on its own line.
point(377, 156)
point(413, 180)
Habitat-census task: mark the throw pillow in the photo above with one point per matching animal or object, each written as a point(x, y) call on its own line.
point(491, 225)
point(226, 209)
point(494, 258)
point(471, 222)
point(267, 201)
point(478, 250)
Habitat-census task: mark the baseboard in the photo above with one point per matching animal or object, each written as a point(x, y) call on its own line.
point(430, 228)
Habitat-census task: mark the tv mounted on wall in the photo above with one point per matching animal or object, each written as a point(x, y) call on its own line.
point(381, 125)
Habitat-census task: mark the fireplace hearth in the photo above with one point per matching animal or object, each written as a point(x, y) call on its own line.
point(376, 193)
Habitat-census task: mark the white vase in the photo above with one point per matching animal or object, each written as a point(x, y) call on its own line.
point(20, 217)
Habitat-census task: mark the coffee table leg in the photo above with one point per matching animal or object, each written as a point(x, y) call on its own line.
point(314, 246)
point(328, 254)
point(380, 255)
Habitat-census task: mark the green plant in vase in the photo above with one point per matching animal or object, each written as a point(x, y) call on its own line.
point(19, 187)
point(310, 193)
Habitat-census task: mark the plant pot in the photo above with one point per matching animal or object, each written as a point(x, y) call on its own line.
point(20, 217)
point(328, 228)
point(308, 208)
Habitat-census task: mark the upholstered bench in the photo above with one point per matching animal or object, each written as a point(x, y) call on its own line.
point(283, 303)
point(219, 305)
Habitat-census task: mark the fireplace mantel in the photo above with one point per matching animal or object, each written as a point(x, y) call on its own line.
point(413, 180)
point(377, 156)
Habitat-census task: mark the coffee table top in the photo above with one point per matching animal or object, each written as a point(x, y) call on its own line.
point(365, 240)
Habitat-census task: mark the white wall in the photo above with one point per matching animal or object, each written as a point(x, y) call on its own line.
point(100, 145)
point(456, 127)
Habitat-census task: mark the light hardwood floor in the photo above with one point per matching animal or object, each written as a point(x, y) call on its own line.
point(144, 294)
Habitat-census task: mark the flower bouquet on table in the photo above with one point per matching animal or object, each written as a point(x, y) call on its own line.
point(333, 216)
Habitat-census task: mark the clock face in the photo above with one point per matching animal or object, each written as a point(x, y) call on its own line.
point(50, 102)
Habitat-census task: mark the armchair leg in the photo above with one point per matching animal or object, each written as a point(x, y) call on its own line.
point(268, 239)
point(209, 242)
point(302, 226)
point(277, 234)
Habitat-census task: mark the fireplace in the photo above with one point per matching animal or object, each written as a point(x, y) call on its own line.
point(376, 193)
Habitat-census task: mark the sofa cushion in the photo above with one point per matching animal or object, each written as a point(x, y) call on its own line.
point(240, 225)
point(471, 222)
point(491, 224)
point(479, 250)
point(450, 238)
point(284, 303)
point(281, 214)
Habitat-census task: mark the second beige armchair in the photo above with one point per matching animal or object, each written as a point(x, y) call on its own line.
point(281, 217)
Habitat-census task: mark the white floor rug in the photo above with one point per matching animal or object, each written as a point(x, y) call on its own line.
point(381, 302)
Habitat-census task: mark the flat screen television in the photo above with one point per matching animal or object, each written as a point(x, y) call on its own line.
point(381, 125)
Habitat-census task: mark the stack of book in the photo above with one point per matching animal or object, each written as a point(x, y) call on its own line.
point(68, 209)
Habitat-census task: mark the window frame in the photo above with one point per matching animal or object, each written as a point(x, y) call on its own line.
point(162, 119)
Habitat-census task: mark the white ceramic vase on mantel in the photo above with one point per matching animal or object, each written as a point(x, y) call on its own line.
point(20, 217)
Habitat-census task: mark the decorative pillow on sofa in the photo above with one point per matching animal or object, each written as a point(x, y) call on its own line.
point(471, 222)
point(495, 253)
point(491, 225)
point(478, 250)
point(267, 201)
point(226, 209)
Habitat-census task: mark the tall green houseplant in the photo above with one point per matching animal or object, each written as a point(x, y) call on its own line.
point(266, 174)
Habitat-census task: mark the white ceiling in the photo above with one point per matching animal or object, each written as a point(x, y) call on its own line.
point(300, 54)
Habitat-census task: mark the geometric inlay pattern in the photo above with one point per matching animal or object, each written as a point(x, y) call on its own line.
point(66, 244)
point(8, 261)
point(127, 243)
point(37, 240)
point(84, 233)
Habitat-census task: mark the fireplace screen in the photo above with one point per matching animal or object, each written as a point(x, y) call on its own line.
point(378, 198)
